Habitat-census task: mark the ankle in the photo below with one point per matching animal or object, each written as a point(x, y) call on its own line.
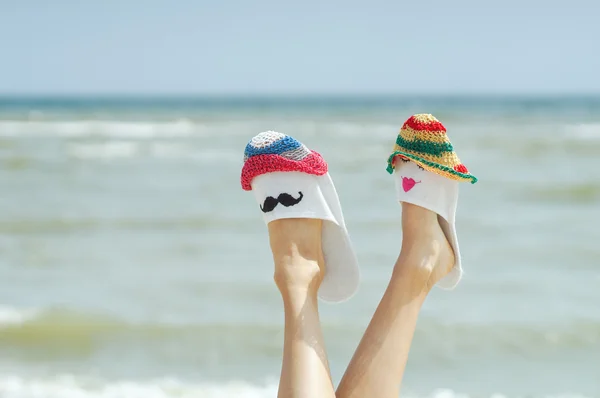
point(413, 268)
point(288, 250)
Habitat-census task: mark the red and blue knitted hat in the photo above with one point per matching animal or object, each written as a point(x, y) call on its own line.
point(271, 151)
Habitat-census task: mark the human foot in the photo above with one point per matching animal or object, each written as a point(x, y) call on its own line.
point(426, 255)
point(297, 254)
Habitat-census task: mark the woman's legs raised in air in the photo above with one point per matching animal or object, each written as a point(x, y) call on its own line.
point(299, 270)
point(378, 364)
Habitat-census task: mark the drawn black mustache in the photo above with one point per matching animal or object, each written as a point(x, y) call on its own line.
point(284, 198)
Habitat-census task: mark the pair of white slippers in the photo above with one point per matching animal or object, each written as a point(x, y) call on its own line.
point(290, 181)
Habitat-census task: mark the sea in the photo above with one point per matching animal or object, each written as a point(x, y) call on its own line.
point(133, 265)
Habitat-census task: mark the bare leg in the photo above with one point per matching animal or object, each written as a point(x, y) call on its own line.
point(378, 365)
point(296, 247)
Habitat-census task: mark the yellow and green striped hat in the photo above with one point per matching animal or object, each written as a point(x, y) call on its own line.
point(423, 140)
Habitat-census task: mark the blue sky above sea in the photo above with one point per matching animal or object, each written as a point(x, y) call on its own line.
point(266, 47)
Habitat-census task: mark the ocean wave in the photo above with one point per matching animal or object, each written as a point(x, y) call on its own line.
point(28, 329)
point(13, 386)
point(53, 225)
point(103, 128)
point(181, 128)
point(184, 128)
point(14, 316)
point(59, 332)
point(61, 386)
point(129, 149)
point(587, 192)
point(533, 145)
point(108, 150)
point(585, 131)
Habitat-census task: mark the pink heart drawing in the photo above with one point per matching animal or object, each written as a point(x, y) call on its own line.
point(408, 183)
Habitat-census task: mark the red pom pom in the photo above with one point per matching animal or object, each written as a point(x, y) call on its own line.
point(461, 169)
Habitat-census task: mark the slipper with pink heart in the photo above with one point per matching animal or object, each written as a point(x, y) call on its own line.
point(427, 173)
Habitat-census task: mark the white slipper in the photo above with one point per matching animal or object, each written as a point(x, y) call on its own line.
point(427, 172)
point(438, 194)
point(291, 181)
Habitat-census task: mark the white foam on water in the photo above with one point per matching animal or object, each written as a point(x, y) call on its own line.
point(182, 151)
point(114, 149)
point(170, 150)
point(16, 316)
point(148, 129)
point(585, 131)
point(131, 149)
point(69, 386)
point(104, 128)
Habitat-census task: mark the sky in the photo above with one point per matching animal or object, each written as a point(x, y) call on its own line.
point(258, 47)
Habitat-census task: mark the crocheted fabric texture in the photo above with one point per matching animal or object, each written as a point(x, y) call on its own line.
point(271, 151)
point(423, 140)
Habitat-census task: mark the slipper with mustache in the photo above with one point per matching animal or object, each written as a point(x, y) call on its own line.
point(291, 181)
point(427, 173)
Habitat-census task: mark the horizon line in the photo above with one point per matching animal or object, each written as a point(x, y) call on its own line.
point(293, 95)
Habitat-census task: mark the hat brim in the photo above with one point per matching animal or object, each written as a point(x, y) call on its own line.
point(254, 166)
point(431, 166)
